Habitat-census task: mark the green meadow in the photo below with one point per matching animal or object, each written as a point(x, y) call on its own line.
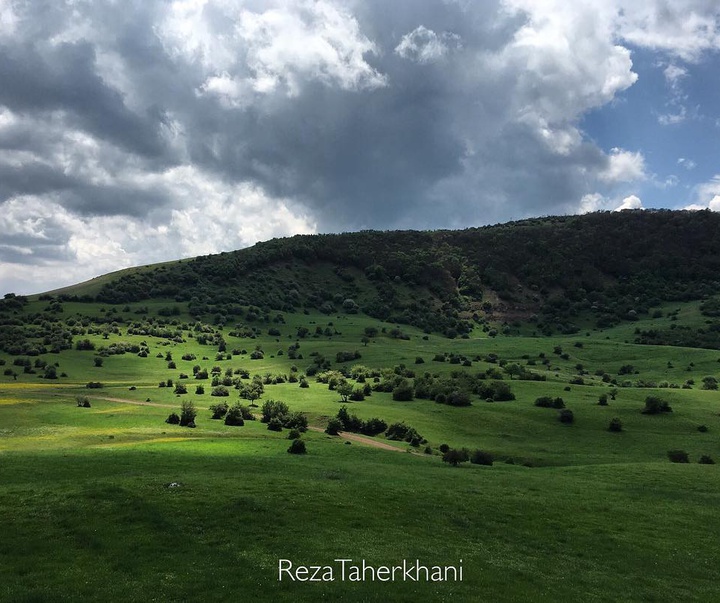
point(112, 503)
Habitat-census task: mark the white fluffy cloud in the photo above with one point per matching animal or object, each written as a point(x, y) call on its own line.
point(630, 202)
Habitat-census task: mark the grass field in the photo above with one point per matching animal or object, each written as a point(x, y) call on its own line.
point(110, 503)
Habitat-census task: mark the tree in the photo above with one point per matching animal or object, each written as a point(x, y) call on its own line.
point(454, 456)
point(655, 406)
point(187, 414)
point(219, 410)
point(513, 369)
point(234, 416)
point(297, 447)
point(344, 388)
point(334, 426)
point(710, 383)
point(98, 361)
point(252, 391)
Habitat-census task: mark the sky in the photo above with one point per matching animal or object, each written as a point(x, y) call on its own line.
point(140, 131)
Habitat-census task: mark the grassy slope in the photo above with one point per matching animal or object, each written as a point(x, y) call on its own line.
point(86, 514)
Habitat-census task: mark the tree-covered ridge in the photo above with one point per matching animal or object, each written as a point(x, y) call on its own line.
point(547, 270)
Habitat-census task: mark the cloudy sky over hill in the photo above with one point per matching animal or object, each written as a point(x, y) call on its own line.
point(140, 131)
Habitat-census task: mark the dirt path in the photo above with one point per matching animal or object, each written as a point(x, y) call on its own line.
point(137, 402)
point(361, 439)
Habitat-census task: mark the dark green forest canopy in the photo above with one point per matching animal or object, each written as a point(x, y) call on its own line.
point(545, 271)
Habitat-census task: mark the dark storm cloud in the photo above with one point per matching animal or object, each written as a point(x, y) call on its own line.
point(65, 80)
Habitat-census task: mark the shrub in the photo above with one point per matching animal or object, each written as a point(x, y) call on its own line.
point(454, 457)
point(443, 448)
point(615, 425)
point(173, 418)
point(403, 392)
point(98, 361)
point(93, 385)
point(419, 360)
point(297, 447)
point(295, 420)
point(246, 413)
point(678, 456)
point(373, 426)
point(655, 406)
point(272, 409)
point(83, 401)
point(219, 410)
point(199, 389)
point(480, 457)
point(702, 428)
point(187, 414)
point(710, 383)
point(334, 426)
point(234, 417)
point(458, 398)
point(220, 391)
point(275, 424)
point(549, 402)
point(180, 389)
point(294, 434)
point(603, 400)
point(566, 416)
point(706, 460)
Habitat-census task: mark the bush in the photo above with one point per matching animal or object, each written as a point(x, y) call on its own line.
point(458, 398)
point(706, 460)
point(187, 414)
point(219, 410)
point(297, 447)
point(702, 428)
point(272, 409)
point(294, 434)
point(566, 416)
point(454, 457)
point(220, 390)
point(655, 406)
point(173, 418)
point(275, 424)
point(83, 401)
point(373, 426)
point(443, 448)
point(334, 426)
point(480, 457)
point(234, 417)
point(180, 389)
point(603, 400)
point(549, 402)
point(403, 392)
point(199, 390)
point(93, 385)
point(678, 456)
point(615, 425)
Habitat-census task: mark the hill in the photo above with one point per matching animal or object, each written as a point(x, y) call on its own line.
point(548, 275)
point(145, 444)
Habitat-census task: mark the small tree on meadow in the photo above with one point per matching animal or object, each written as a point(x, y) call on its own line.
point(187, 414)
point(455, 456)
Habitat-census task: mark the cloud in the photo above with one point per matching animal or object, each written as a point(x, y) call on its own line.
point(423, 45)
point(140, 131)
point(631, 202)
point(683, 28)
point(624, 166)
point(688, 164)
